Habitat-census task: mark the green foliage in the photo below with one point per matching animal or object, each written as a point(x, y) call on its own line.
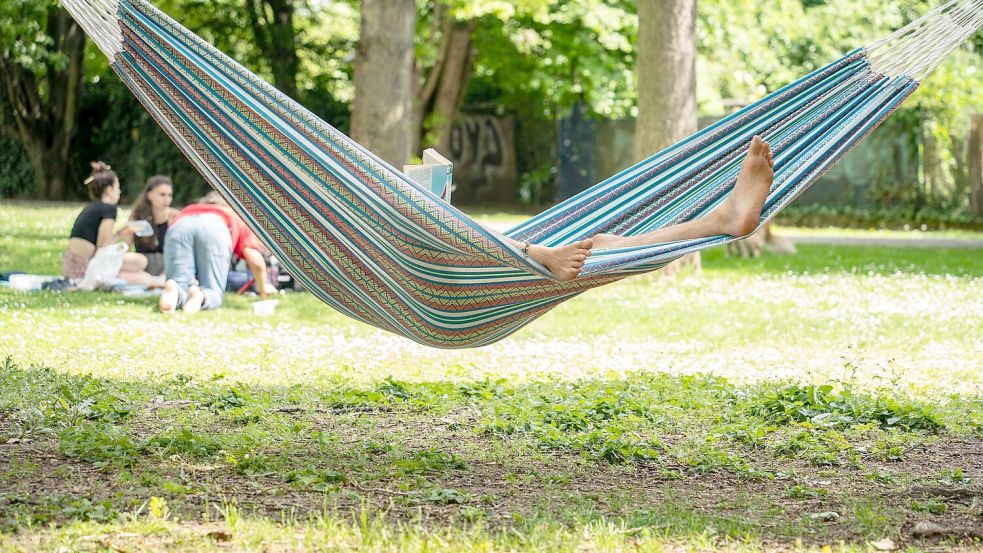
point(559, 53)
point(931, 506)
point(249, 460)
point(24, 39)
point(101, 444)
point(49, 508)
point(609, 421)
point(442, 496)
point(907, 216)
point(820, 447)
point(535, 59)
point(827, 407)
point(182, 441)
point(157, 508)
point(484, 389)
point(317, 479)
point(797, 491)
point(708, 458)
point(387, 393)
point(236, 396)
point(894, 444)
point(90, 399)
point(703, 426)
point(429, 461)
point(747, 49)
point(16, 174)
point(115, 128)
point(953, 477)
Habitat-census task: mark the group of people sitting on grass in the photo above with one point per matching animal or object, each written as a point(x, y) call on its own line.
point(188, 254)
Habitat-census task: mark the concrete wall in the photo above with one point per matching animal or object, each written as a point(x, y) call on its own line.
point(888, 156)
point(482, 148)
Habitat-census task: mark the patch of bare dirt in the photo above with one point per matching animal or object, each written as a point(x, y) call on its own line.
point(502, 480)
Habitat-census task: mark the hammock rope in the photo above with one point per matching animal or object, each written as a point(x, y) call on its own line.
point(371, 243)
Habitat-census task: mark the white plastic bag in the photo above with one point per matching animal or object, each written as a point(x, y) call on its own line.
point(103, 267)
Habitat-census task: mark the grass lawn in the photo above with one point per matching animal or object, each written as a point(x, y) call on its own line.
point(831, 398)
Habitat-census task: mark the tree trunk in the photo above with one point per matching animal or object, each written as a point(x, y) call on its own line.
point(932, 163)
point(440, 97)
point(975, 164)
point(666, 74)
point(273, 27)
point(382, 112)
point(45, 107)
point(50, 166)
point(666, 83)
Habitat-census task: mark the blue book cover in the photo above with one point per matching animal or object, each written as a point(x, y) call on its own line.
point(435, 174)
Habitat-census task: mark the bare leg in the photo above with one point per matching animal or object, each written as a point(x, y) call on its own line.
point(133, 262)
point(565, 262)
point(737, 216)
point(142, 278)
point(132, 271)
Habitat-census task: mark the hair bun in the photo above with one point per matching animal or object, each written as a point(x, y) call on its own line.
point(99, 167)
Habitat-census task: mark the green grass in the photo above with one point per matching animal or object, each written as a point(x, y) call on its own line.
point(731, 410)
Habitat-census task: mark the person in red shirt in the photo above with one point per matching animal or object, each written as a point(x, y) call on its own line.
point(200, 242)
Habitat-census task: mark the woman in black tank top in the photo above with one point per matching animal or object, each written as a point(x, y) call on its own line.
point(93, 229)
point(154, 206)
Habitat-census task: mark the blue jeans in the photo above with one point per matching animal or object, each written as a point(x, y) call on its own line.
point(199, 248)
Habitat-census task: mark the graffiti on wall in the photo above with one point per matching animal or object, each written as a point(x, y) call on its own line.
point(890, 155)
point(482, 148)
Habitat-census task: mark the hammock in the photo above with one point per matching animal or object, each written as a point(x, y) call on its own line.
point(374, 245)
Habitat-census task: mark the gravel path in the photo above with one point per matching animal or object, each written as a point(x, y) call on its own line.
point(933, 243)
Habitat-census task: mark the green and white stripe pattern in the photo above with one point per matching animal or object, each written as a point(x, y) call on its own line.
point(372, 244)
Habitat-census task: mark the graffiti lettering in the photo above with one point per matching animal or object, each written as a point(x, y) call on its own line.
point(483, 151)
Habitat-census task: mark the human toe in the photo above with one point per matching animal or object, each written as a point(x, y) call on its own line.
point(757, 145)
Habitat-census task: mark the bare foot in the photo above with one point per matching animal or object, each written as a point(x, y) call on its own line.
point(606, 241)
point(565, 262)
point(737, 215)
point(740, 213)
point(168, 299)
point(195, 298)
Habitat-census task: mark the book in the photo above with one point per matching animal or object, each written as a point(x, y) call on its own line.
point(435, 174)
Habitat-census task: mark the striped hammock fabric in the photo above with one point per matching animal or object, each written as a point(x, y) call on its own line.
point(372, 244)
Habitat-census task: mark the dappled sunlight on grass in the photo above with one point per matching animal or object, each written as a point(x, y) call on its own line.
point(912, 316)
point(910, 328)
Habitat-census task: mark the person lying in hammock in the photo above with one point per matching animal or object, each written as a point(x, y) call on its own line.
point(737, 216)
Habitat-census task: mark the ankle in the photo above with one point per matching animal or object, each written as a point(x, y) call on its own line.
point(746, 224)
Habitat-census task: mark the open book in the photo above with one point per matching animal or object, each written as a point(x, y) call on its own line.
point(435, 174)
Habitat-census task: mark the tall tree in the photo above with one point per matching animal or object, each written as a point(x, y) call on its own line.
point(551, 52)
point(975, 162)
point(272, 22)
point(41, 68)
point(666, 80)
point(382, 111)
point(442, 91)
point(666, 74)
